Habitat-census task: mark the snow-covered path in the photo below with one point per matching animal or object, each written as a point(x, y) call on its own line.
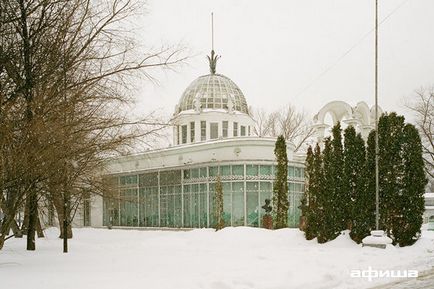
point(235, 258)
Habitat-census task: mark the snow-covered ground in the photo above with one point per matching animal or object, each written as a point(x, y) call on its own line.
point(235, 258)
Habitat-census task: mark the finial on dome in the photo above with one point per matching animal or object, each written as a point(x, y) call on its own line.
point(214, 57)
point(213, 61)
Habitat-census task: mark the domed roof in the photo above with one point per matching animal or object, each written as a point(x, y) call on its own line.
point(214, 91)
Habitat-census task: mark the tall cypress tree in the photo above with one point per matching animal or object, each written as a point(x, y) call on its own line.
point(280, 188)
point(410, 201)
point(328, 228)
point(308, 173)
point(350, 172)
point(354, 164)
point(339, 195)
point(363, 194)
point(390, 131)
point(309, 203)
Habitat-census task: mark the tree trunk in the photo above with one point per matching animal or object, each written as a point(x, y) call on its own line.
point(39, 230)
point(32, 204)
point(4, 229)
point(18, 233)
point(58, 204)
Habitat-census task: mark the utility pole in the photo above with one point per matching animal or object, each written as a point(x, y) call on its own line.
point(377, 195)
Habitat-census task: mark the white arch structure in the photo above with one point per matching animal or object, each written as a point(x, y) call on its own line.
point(361, 117)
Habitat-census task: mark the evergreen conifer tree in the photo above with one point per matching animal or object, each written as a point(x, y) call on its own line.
point(390, 132)
point(354, 165)
point(280, 188)
point(336, 171)
point(363, 195)
point(328, 228)
point(218, 205)
point(308, 173)
point(410, 201)
point(314, 178)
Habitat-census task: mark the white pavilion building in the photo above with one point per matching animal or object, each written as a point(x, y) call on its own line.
point(175, 187)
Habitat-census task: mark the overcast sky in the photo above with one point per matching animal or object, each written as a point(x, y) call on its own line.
point(306, 53)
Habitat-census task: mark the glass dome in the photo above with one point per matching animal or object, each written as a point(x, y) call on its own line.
point(215, 91)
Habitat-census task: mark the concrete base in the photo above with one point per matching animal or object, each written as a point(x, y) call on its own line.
point(377, 239)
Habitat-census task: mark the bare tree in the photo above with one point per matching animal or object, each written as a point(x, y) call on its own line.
point(293, 125)
point(65, 72)
point(423, 108)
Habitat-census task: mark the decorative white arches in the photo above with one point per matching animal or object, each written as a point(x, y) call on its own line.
point(360, 116)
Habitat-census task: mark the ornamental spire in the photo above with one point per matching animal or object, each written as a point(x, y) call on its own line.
point(214, 57)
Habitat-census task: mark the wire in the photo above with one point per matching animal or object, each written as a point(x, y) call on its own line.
point(329, 68)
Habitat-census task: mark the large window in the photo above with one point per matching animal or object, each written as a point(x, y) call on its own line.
point(243, 130)
point(235, 128)
point(225, 129)
point(203, 130)
point(186, 198)
point(192, 131)
point(184, 134)
point(214, 130)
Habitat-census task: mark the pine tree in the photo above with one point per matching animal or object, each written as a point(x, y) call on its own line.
point(328, 228)
point(218, 205)
point(314, 175)
point(390, 131)
point(339, 195)
point(350, 171)
point(280, 188)
point(363, 195)
point(308, 173)
point(354, 163)
point(410, 201)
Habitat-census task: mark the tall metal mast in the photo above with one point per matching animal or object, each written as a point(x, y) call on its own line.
point(377, 195)
point(213, 57)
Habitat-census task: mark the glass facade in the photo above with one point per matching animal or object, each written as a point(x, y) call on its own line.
point(235, 128)
point(203, 130)
point(214, 130)
point(213, 91)
point(192, 131)
point(184, 198)
point(225, 128)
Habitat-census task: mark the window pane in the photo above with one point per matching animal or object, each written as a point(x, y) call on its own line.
point(202, 172)
point(243, 130)
point(213, 171)
point(235, 128)
point(225, 129)
point(203, 130)
point(252, 170)
point(265, 170)
point(237, 204)
point(194, 173)
point(225, 170)
point(238, 170)
point(290, 171)
point(192, 131)
point(184, 134)
point(214, 130)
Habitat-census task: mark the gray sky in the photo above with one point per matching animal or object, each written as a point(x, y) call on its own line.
point(288, 51)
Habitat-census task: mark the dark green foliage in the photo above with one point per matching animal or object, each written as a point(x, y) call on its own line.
point(280, 189)
point(328, 228)
point(218, 205)
point(390, 128)
point(338, 189)
point(357, 169)
point(307, 202)
point(309, 206)
point(402, 179)
point(409, 202)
